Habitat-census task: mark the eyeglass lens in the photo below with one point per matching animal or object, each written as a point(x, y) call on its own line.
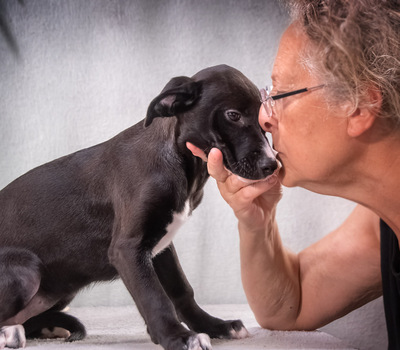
point(267, 100)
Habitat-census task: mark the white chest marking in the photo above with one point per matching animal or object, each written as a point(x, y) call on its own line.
point(177, 221)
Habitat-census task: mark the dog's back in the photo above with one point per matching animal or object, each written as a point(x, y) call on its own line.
point(66, 208)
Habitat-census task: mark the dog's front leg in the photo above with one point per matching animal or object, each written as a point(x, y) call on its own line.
point(134, 265)
point(181, 293)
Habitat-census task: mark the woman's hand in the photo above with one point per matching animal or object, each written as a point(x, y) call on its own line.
point(252, 202)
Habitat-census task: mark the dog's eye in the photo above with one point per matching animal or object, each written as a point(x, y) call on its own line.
point(234, 116)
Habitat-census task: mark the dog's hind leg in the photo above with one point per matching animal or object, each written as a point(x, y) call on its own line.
point(52, 319)
point(19, 282)
point(174, 281)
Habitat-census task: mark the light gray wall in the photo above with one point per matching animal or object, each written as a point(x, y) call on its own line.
point(89, 68)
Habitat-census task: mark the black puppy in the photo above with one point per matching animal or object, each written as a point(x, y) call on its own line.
point(112, 210)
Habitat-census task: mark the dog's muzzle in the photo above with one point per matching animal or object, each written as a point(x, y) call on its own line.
point(256, 166)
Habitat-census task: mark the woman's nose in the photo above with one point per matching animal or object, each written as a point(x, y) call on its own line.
point(266, 122)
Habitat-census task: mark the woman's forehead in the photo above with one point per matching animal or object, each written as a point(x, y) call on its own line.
point(287, 65)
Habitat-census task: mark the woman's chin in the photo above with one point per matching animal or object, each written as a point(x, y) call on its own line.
point(285, 179)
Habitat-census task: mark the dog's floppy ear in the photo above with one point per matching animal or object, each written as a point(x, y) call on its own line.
point(178, 96)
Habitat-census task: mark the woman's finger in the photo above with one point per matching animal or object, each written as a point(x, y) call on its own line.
point(216, 165)
point(196, 151)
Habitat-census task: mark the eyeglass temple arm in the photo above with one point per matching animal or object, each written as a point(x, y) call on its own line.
point(286, 94)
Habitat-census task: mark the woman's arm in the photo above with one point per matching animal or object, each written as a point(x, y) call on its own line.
point(341, 272)
point(299, 291)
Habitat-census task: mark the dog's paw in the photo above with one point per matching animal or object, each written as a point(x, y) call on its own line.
point(55, 324)
point(233, 329)
point(186, 340)
point(55, 333)
point(12, 337)
point(199, 342)
point(238, 330)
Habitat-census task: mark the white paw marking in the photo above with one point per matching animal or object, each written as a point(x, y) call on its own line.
point(12, 337)
point(241, 334)
point(199, 341)
point(55, 333)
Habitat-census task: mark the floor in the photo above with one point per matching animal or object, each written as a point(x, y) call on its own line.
point(122, 328)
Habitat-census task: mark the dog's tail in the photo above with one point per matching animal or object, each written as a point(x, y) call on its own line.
point(52, 319)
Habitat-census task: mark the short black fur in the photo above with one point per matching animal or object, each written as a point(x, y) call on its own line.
point(101, 213)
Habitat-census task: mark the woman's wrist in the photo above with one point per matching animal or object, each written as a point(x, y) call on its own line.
point(255, 226)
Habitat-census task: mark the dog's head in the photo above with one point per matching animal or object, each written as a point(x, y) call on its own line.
point(218, 107)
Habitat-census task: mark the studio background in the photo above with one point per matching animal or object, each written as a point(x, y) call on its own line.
point(87, 69)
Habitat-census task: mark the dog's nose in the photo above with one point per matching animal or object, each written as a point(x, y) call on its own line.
point(268, 166)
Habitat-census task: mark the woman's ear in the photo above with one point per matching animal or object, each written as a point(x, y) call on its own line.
point(361, 119)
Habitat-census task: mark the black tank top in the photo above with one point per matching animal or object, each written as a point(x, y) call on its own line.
point(390, 266)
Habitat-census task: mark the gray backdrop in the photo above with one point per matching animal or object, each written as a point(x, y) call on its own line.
point(88, 69)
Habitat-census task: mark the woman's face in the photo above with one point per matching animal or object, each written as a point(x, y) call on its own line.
point(310, 138)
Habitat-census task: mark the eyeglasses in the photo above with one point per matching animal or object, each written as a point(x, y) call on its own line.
point(268, 100)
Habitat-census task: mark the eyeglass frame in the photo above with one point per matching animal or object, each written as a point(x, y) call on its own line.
point(269, 101)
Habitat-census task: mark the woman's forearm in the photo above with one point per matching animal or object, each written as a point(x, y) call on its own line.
point(270, 277)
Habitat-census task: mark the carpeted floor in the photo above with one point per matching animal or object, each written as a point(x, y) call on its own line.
point(122, 328)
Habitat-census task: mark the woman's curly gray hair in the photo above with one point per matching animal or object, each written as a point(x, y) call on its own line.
point(355, 47)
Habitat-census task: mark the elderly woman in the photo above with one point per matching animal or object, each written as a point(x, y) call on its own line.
point(337, 134)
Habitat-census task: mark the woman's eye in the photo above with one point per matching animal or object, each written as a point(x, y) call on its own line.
point(234, 116)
